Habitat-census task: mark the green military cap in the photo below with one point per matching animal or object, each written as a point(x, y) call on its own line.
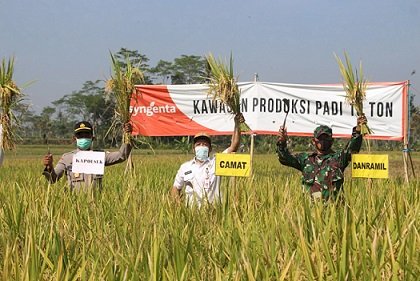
point(83, 126)
point(321, 130)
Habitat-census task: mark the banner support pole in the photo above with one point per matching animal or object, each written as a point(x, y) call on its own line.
point(251, 152)
point(406, 149)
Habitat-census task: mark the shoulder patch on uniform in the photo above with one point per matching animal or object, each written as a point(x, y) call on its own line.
point(67, 153)
point(188, 172)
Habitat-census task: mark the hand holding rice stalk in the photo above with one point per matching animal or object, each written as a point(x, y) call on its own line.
point(355, 87)
point(122, 85)
point(10, 96)
point(223, 85)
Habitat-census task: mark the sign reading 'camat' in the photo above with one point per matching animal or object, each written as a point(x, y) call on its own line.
point(235, 165)
point(369, 166)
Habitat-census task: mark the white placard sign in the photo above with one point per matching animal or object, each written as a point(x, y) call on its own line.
point(89, 162)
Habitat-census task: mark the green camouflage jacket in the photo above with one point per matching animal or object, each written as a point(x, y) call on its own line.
point(322, 175)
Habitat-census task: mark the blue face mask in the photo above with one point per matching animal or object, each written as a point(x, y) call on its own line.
point(84, 143)
point(201, 153)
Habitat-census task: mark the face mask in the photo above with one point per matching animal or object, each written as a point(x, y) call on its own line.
point(324, 145)
point(201, 153)
point(84, 144)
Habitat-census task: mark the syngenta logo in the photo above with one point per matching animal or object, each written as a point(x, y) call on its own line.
point(152, 109)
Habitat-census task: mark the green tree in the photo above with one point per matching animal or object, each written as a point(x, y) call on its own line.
point(189, 70)
point(163, 71)
point(25, 116)
point(415, 127)
point(62, 127)
point(91, 104)
point(46, 122)
point(137, 60)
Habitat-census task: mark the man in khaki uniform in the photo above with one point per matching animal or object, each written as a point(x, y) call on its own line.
point(83, 134)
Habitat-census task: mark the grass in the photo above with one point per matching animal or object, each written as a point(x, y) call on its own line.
point(266, 229)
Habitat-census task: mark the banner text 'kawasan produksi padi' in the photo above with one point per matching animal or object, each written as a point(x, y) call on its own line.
point(181, 110)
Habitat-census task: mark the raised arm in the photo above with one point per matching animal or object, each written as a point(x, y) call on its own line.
point(355, 142)
point(236, 136)
point(122, 154)
point(284, 156)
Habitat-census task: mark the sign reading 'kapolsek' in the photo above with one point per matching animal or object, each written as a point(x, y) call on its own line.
point(89, 162)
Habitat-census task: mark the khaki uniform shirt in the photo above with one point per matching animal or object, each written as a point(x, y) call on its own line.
point(80, 181)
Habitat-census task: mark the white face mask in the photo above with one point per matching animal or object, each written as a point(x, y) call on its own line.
point(201, 152)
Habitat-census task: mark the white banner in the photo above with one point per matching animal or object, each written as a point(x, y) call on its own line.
point(176, 110)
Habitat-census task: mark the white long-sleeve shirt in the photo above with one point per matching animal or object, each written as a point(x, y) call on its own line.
point(200, 181)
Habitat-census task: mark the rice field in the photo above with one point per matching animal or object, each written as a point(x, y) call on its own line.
point(266, 228)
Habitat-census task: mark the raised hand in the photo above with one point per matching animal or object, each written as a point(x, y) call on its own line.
point(239, 118)
point(282, 134)
point(361, 120)
point(48, 161)
point(128, 128)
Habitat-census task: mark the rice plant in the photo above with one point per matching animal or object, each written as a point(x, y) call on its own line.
point(223, 84)
point(265, 228)
point(122, 86)
point(10, 96)
point(355, 86)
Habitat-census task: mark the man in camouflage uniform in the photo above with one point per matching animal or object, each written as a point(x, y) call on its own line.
point(83, 134)
point(322, 170)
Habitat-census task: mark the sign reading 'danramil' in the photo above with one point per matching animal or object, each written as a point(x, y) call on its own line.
point(370, 166)
point(89, 162)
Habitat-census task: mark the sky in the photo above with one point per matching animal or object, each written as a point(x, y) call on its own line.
point(62, 44)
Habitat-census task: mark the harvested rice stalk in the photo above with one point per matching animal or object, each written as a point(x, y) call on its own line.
point(223, 86)
point(355, 87)
point(10, 96)
point(122, 86)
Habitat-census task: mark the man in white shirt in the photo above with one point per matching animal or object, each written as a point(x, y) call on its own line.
point(198, 175)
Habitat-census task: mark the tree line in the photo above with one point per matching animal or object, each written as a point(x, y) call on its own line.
point(53, 125)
